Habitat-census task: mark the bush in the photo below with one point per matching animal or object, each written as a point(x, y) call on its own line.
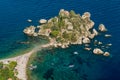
point(72, 13)
point(1, 65)
point(7, 71)
point(73, 38)
point(12, 65)
point(66, 35)
point(54, 33)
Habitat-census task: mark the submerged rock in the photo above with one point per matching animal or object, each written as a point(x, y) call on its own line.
point(109, 44)
point(75, 53)
point(97, 51)
point(87, 45)
point(95, 42)
point(99, 43)
point(88, 49)
point(102, 28)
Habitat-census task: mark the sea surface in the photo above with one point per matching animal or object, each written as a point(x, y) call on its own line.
point(57, 63)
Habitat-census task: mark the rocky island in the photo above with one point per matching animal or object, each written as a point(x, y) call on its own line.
point(67, 28)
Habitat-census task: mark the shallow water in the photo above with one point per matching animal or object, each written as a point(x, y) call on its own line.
point(13, 16)
point(63, 64)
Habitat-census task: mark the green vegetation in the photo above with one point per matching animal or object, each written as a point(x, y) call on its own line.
point(72, 13)
point(7, 71)
point(67, 27)
point(1, 65)
point(54, 33)
point(12, 65)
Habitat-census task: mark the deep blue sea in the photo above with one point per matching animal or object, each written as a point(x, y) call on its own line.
point(13, 19)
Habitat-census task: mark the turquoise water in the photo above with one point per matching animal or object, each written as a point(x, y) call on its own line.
point(13, 19)
point(54, 64)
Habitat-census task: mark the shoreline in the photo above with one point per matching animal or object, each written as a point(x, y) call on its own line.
point(17, 53)
point(22, 61)
point(21, 64)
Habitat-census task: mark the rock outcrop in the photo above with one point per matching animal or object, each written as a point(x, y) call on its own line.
point(42, 21)
point(86, 15)
point(102, 28)
point(106, 54)
point(30, 31)
point(98, 51)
